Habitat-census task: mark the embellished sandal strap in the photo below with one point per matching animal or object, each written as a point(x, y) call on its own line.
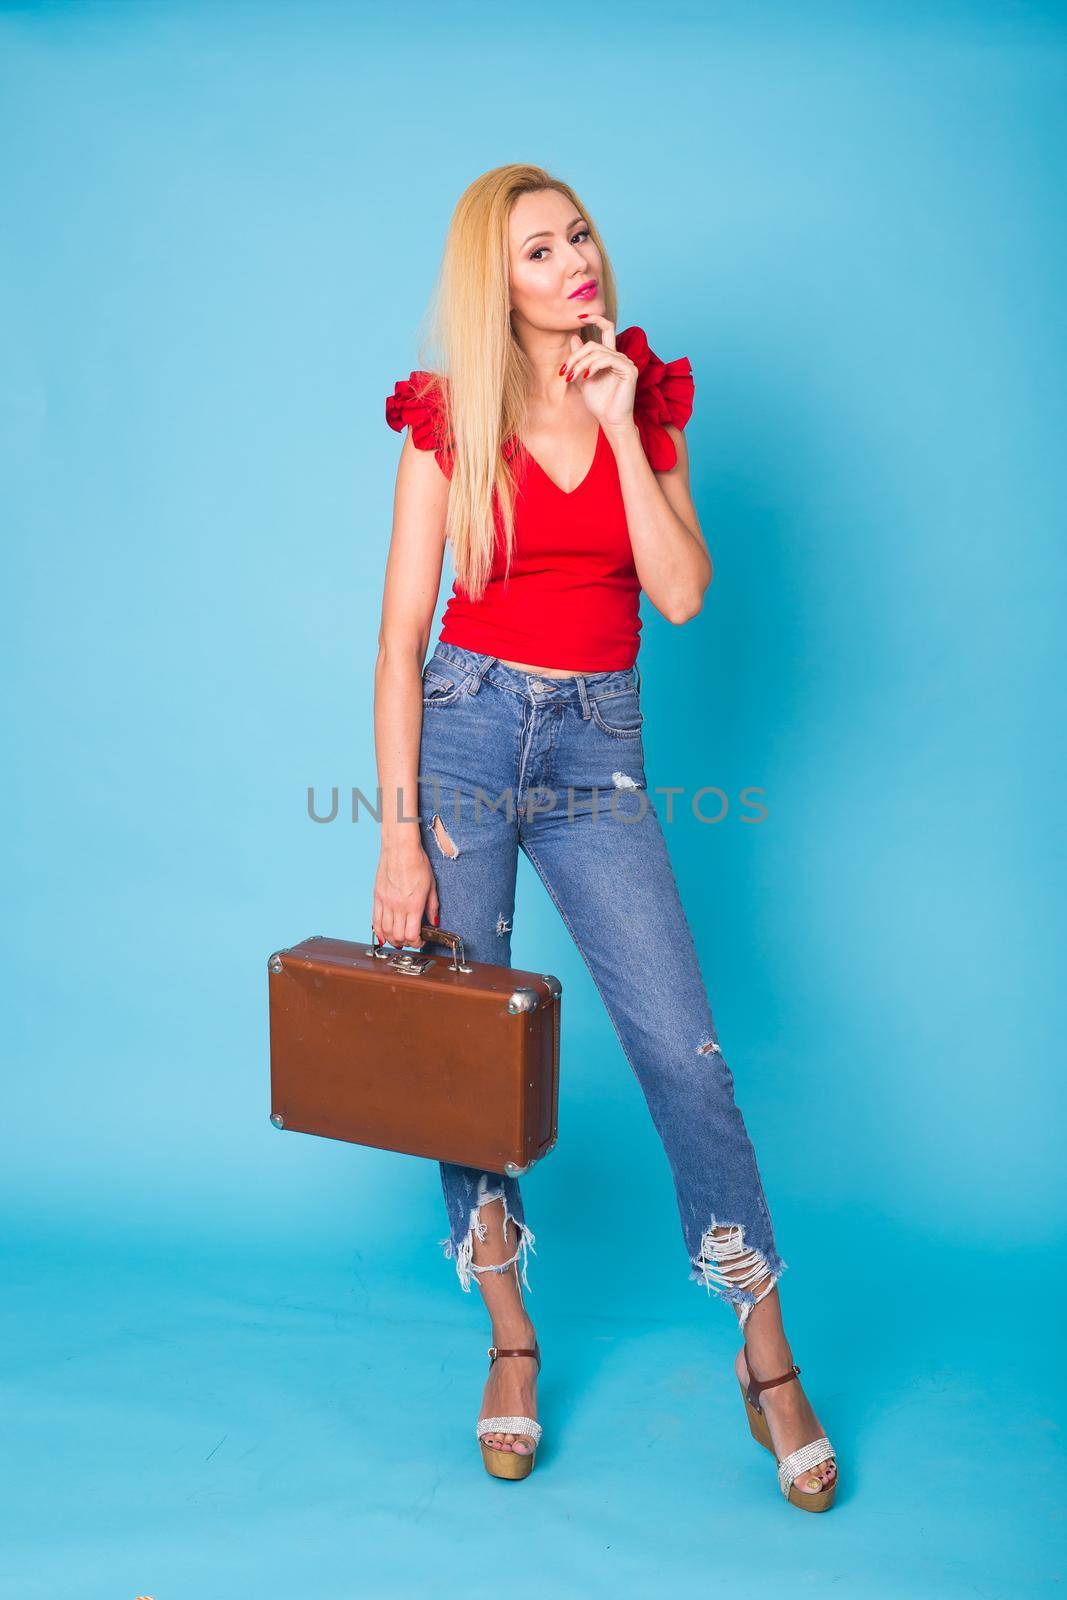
point(757, 1385)
point(495, 1351)
point(809, 1455)
point(523, 1425)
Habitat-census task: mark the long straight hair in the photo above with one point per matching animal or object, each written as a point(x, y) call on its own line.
point(468, 341)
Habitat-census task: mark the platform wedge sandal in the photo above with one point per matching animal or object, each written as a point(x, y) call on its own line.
point(798, 1461)
point(510, 1463)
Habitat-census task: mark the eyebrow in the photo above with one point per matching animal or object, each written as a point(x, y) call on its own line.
point(546, 233)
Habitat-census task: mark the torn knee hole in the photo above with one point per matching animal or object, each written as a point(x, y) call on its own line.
point(707, 1048)
point(441, 835)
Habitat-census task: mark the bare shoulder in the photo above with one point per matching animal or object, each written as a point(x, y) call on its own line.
point(675, 483)
point(681, 452)
point(420, 503)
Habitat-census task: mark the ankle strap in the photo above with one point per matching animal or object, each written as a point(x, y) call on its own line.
point(757, 1385)
point(495, 1351)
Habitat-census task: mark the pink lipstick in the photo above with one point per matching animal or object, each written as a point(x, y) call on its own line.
point(586, 292)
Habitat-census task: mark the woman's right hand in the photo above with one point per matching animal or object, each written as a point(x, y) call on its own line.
point(405, 894)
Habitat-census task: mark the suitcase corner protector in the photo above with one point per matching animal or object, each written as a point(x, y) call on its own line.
point(516, 1170)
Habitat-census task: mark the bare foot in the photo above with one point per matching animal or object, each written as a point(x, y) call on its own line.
point(790, 1419)
point(511, 1389)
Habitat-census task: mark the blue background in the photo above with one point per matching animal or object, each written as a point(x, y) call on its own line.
point(236, 1362)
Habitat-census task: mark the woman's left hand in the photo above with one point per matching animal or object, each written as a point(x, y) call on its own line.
point(606, 379)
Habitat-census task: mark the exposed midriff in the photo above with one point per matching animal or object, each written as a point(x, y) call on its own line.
point(540, 672)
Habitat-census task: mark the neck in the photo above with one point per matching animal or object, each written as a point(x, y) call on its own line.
point(546, 349)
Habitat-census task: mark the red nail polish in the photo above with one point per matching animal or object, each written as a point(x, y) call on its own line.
point(582, 315)
point(563, 369)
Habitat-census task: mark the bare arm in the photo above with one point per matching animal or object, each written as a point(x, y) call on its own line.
point(670, 554)
point(405, 892)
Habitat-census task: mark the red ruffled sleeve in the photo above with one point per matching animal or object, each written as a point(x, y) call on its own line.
point(419, 402)
point(664, 394)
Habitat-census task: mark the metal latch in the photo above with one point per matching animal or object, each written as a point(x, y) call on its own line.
point(404, 961)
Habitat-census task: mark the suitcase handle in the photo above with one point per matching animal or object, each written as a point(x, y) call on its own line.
point(428, 931)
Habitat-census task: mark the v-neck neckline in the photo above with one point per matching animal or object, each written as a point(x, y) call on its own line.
point(569, 493)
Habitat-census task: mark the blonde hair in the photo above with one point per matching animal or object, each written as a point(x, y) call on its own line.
point(487, 374)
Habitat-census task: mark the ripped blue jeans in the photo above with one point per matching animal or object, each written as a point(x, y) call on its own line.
point(555, 767)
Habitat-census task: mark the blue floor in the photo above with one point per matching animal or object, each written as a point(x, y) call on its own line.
point(230, 1425)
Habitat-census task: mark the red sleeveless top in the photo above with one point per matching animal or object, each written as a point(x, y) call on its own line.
point(571, 599)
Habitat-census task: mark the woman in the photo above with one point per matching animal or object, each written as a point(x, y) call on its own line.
point(550, 453)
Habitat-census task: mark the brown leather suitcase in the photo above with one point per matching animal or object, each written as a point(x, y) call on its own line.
point(420, 1052)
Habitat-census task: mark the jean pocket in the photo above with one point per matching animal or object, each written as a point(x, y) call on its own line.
point(619, 715)
point(439, 690)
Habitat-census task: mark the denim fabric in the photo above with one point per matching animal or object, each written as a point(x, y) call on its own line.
point(510, 761)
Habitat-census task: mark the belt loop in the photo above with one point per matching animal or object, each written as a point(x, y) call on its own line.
point(479, 673)
point(637, 671)
point(583, 696)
